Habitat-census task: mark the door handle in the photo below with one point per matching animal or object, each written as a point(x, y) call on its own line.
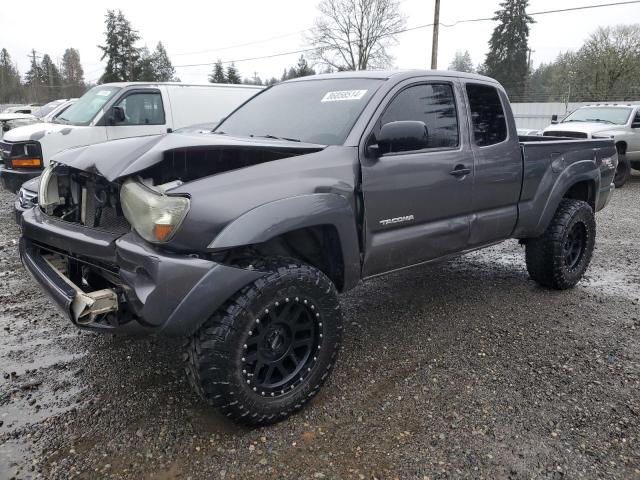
point(460, 171)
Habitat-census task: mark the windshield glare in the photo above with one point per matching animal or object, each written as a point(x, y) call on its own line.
point(48, 108)
point(614, 115)
point(313, 111)
point(85, 109)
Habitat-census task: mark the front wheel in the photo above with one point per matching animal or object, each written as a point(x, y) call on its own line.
point(268, 351)
point(560, 256)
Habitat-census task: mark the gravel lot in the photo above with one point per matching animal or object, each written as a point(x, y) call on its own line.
point(458, 369)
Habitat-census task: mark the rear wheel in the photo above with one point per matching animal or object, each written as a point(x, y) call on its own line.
point(623, 172)
point(268, 351)
point(560, 256)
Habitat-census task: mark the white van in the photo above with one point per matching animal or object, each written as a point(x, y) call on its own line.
point(112, 111)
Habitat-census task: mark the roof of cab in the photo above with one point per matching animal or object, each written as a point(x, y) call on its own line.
point(395, 74)
point(178, 84)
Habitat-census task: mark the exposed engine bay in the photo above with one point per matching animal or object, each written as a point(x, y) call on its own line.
point(193, 163)
point(89, 199)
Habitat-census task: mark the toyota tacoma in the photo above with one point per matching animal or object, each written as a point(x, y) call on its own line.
point(240, 239)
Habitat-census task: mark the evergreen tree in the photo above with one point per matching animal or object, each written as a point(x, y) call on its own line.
point(233, 76)
point(462, 62)
point(72, 73)
point(303, 69)
point(120, 49)
point(271, 81)
point(161, 65)
point(10, 86)
point(143, 70)
point(51, 78)
point(218, 76)
point(508, 47)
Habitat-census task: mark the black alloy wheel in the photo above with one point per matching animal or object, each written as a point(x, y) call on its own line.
point(268, 350)
point(574, 245)
point(280, 350)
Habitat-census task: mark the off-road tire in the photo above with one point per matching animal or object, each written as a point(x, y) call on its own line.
point(623, 172)
point(546, 256)
point(214, 358)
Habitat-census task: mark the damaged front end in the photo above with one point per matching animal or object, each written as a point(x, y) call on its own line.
point(120, 244)
point(108, 273)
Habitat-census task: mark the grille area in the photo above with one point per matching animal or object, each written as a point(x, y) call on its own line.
point(89, 201)
point(102, 215)
point(5, 152)
point(560, 133)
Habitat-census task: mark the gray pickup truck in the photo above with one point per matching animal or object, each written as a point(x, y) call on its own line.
point(240, 239)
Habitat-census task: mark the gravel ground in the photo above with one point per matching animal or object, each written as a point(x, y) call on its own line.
point(459, 369)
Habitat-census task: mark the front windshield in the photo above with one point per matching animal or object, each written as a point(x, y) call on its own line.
point(319, 111)
point(47, 109)
point(611, 115)
point(86, 108)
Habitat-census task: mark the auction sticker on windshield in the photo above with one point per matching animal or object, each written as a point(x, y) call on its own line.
point(104, 93)
point(343, 95)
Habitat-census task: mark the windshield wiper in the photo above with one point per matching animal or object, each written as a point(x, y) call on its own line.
point(61, 120)
point(600, 120)
point(276, 138)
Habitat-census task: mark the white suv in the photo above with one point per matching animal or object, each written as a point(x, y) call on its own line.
point(620, 122)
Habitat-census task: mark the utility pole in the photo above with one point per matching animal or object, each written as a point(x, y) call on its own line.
point(34, 68)
point(434, 45)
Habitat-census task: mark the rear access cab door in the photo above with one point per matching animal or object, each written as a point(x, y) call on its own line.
point(498, 163)
point(144, 111)
point(417, 202)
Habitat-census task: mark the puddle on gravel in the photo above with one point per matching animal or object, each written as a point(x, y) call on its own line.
point(11, 456)
point(615, 283)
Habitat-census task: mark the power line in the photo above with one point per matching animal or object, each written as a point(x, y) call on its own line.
point(230, 47)
point(417, 27)
point(545, 12)
point(281, 54)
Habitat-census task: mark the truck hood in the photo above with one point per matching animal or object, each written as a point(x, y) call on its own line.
point(584, 127)
point(5, 117)
point(121, 158)
point(36, 131)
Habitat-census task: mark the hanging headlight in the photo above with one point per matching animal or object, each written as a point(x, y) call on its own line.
point(48, 195)
point(155, 216)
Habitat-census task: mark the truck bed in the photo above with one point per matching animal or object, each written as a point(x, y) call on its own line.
point(546, 159)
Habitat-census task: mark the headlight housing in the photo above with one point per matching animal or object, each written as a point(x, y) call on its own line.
point(48, 195)
point(26, 155)
point(155, 216)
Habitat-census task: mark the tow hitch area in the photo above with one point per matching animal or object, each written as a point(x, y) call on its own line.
point(86, 306)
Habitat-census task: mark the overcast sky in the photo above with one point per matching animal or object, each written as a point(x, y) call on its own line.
point(210, 28)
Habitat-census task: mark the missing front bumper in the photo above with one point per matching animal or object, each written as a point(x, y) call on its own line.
point(86, 307)
point(82, 308)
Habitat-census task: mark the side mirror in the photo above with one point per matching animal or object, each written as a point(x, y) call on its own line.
point(401, 136)
point(117, 114)
point(554, 119)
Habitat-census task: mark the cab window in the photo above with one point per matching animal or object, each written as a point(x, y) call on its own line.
point(433, 104)
point(142, 108)
point(487, 115)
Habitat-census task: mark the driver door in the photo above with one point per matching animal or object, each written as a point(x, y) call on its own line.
point(418, 203)
point(144, 114)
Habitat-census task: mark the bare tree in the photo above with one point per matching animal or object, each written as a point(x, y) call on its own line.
point(610, 60)
point(355, 34)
